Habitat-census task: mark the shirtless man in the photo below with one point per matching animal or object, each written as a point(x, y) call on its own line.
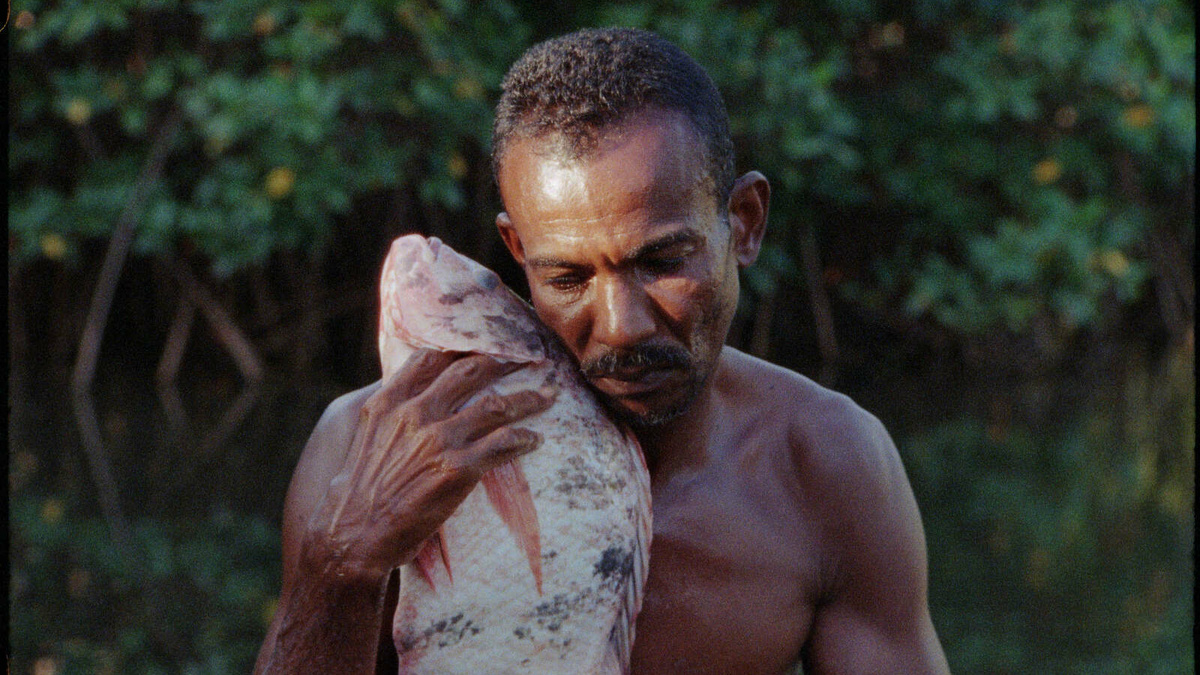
point(785, 530)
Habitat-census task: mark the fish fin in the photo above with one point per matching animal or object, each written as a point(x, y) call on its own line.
point(613, 663)
point(620, 642)
point(429, 555)
point(509, 493)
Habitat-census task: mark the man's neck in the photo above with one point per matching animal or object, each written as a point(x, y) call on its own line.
point(682, 444)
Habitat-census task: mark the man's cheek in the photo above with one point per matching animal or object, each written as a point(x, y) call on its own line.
point(680, 297)
point(564, 321)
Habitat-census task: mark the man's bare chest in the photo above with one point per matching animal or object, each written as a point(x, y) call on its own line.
point(731, 581)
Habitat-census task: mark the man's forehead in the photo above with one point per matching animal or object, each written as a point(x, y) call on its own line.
point(655, 151)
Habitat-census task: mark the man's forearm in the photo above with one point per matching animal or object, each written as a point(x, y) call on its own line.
point(329, 625)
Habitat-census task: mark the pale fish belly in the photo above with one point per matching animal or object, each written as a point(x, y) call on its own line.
point(589, 488)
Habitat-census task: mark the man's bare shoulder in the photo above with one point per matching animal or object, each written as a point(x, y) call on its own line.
point(836, 446)
point(324, 453)
point(337, 424)
point(816, 415)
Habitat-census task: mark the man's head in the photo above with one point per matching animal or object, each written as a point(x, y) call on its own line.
point(610, 209)
point(573, 87)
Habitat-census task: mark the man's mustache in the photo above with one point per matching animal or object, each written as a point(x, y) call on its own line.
point(649, 357)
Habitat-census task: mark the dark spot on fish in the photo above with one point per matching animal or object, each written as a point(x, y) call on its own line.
point(518, 332)
point(615, 562)
point(450, 299)
point(488, 279)
point(502, 324)
point(443, 633)
point(521, 632)
point(470, 334)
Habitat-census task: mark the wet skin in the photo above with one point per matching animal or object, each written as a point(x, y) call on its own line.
point(784, 527)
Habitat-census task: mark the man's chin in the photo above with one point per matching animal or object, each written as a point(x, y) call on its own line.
point(645, 418)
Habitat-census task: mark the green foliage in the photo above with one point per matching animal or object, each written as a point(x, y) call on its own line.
point(290, 112)
point(1067, 548)
point(1033, 152)
point(200, 605)
point(977, 165)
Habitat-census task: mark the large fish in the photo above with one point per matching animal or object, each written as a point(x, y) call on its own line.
point(542, 567)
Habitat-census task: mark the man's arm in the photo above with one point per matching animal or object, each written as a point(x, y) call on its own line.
point(382, 471)
point(873, 616)
point(321, 460)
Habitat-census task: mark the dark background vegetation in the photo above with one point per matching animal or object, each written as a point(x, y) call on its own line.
point(982, 230)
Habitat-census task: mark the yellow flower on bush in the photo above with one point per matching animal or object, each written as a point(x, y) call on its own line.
point(1112, 261)
point(52, 511)
point(53, 246)
point(1047, 171)
point(457, 166)
point(1139, 116)
point(279, 182)
point(468, 88)
point(79, 111)
point(264, 23)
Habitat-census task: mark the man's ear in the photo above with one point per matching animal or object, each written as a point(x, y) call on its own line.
point(509, 234)
point(749, 201)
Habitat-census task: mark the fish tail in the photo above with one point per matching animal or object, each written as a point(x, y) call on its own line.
point(509, 493)
point(432, 552)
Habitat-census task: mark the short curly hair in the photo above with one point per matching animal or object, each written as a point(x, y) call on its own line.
point(578, 84)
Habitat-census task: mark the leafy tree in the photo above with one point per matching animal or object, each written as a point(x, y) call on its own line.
point(289, 113)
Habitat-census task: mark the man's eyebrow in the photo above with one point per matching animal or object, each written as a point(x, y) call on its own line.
point(667, 241)
point(647, 249)
point(544, 263)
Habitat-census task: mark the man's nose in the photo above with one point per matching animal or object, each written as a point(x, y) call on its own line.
point(623, 314)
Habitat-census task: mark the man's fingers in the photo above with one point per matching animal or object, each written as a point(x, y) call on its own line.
point(503, 445)
point(415, 376)
point(460, 381)
point(493, 411)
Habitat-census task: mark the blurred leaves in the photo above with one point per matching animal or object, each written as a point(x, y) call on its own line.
point(291, 112)
point(1073, 537)
point(200, 605)
point(967, 162)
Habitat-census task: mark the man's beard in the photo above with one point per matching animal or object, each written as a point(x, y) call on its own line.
point(652, 357)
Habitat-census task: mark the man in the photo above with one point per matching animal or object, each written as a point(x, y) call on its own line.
point(784, 527)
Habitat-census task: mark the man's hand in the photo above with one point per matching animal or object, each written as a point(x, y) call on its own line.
point(378, 477)
point(416, 454)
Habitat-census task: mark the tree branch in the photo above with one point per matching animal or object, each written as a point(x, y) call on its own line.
point(93, 332)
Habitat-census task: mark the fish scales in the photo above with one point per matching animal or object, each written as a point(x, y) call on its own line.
point(556, 589)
